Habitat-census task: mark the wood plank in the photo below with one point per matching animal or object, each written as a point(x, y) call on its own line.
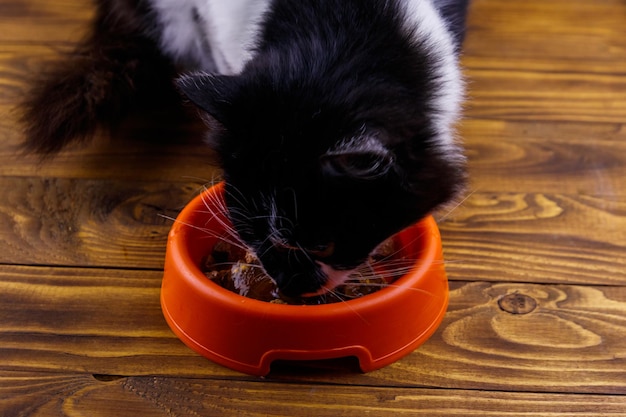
point(545, 157)
point(545, 61)
point(43, 21)
point(157, 152)
point(109, 322)
point(88, 222)
point(526, 95)
point(18, 65)
point(101, 321)
point(555, 35)
point(573, 341)
point(537, 238)
point(141, 151)
point(27, 395)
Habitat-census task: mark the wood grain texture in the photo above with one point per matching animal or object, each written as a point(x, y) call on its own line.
point(572, 36)
point(545, 96)
point(545, 61)
point(90, 320)
point(546, 157)
point(62, 320)
point(82, 395)
point(570, 342)
point(44, 22)
point(537, 238)
point(95, 223)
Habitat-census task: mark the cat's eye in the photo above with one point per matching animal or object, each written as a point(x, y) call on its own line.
point(322, 251)
point(358, 165)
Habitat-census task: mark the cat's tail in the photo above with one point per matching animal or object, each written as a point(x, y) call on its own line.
point(92, 87)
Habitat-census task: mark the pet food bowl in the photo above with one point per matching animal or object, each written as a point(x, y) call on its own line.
point(247, 335)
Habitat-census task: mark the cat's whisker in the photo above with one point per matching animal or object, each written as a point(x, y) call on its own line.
point(295, 202)
point(385, 285)
point(230, 264)
point(207, 183)
point(166, 217)
point(305, 253)
point(228, 235)
point(211, 201)
point(273, 238)
point(455, 206)
point(343, 298)
point(203, 229)
point(239, 197)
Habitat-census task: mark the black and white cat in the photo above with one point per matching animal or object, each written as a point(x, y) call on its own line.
point(333, 119)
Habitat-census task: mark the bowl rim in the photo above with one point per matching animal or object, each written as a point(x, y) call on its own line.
point(190, 270)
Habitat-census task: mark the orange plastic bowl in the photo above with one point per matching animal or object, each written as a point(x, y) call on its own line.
point(247, 335)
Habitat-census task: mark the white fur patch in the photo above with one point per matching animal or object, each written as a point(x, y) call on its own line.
point(221, 37)
point(180, 38)
point(428, 28)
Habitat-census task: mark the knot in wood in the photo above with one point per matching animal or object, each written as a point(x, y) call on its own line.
point(517, 303)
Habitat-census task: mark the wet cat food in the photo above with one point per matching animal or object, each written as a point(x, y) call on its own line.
point(239, 271)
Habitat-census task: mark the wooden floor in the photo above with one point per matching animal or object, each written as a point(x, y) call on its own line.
point(82, 241)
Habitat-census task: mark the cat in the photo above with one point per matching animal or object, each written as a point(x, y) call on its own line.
point(333, 120)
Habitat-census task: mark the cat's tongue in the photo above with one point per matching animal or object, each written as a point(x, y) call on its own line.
point(335, 279)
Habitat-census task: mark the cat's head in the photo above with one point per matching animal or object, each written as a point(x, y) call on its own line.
point(318, 173)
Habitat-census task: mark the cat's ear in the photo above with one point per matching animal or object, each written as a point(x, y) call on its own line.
point(211, 93)
point(360, 159)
